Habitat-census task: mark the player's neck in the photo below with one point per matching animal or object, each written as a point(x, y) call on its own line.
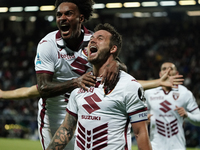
point(98, 69)
point(166, 89)
point(75, 42)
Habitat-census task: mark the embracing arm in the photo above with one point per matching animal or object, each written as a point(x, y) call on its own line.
point(64, 133)
point(47, 88)
point(165, 80)
point(20, 93)
point(141, 135)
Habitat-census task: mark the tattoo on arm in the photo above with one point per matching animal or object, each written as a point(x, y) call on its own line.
point(64, 134)
point(48, 88)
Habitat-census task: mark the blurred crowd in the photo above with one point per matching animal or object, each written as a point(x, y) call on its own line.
point(145, 47)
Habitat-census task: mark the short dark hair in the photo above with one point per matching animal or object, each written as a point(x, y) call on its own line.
point(116, 38)
point(84, 6)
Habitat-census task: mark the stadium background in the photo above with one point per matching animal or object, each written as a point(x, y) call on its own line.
point(151, 34)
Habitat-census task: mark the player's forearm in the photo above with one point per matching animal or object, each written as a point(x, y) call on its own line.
point(148, 84)
point(60, 139)
point(50, 89)
point(143, 141)
point(194, 117)
point(20, 93)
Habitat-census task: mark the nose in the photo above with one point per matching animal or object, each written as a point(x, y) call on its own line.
point(63, 17)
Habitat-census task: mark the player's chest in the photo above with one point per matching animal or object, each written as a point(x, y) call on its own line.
point(165, 102)
point(75, 63)
point(96, 101)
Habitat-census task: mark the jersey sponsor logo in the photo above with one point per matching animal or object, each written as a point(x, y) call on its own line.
point(38, 61)
point(90, 117)
point(157, 98)
point(175, 96)
point(167, 129)
point(91, 100)
point(94, 139)
point(165, 106)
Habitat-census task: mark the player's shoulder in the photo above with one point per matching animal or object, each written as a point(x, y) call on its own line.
point(50, 35)
point(153, 90)
point(127, 80)
point(184, 90)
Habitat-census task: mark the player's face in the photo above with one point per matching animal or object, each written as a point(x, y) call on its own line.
point(99, 47)
point(69, 19)
point(165, 67)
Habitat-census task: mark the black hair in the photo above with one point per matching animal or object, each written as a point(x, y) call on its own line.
point(84, 6)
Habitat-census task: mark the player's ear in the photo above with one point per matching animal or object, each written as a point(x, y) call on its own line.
point(81, 18)
point(113, 49)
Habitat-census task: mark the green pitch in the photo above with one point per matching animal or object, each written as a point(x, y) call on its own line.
point(23, 144)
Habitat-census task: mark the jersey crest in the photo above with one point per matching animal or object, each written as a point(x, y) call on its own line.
point(175, 96)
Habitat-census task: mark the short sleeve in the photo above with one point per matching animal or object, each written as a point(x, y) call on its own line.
point(72, 106)
point(45, 57)
point(191, 103)
point(135, 105)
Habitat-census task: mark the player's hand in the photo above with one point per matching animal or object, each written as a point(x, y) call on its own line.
point(171, 81)
point(181, 111)
point(149, 118)
point(110, 74)
point(86, 80)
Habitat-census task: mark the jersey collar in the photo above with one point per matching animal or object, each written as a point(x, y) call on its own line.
point(62, 44)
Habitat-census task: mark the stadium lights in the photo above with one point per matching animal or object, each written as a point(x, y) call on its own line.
point(114, 5)
point(168, 3)
point(187, 2)
point(47, 8)
point(31, 8)
point(149, 4)
point(95, 15)
point(132, 4)
point(15, 9)
point(193, 13)
point(159, 14)
point(99, 6)
point(3, 9)
point(142, 14)
point(16, 18)
point(124, 15)
point(32, 18)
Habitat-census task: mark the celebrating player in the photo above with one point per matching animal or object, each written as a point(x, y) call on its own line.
point(168, 107)
point(103, 114)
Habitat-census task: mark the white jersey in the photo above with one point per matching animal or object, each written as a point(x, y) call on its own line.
point(54, 57)
point(104, 119)
point(166, 127)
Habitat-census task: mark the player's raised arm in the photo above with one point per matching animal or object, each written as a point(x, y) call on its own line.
point(20, 93)
point(165, 80)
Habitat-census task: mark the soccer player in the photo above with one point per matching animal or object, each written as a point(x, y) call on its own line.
point(102, 114)
point(61, 65)
point(168, 107)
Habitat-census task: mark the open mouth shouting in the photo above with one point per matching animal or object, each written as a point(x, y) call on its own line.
point(93, 50)
point(64, 28)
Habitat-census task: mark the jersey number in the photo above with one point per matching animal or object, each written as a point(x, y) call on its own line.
point(80, 64)
point(91, 106)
